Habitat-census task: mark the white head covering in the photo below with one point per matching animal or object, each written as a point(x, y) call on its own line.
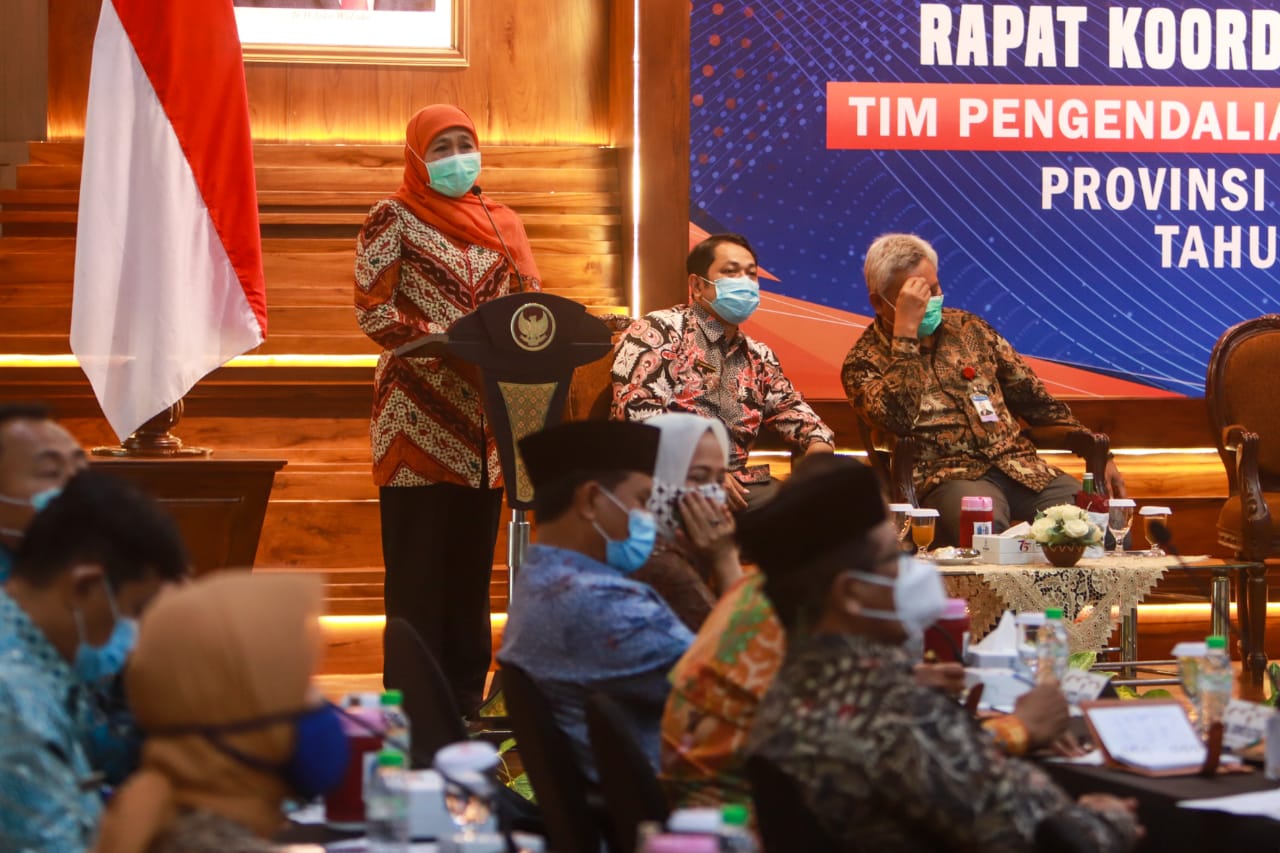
point(681, 433)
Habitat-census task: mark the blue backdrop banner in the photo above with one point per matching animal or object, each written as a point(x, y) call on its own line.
point(1098, 182)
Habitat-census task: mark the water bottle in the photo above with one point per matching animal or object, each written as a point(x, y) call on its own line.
point(1216, 681)
point(386, 805)
point(735, 835)
point(395, 724)
point(1272, 766)
point(1052, 651)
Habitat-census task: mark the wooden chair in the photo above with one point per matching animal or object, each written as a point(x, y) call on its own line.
point(631, 791)
point(894, 456)
point(1244, 414)
point(434, 718)
point(591, 390)
point(572, 825)
point(1243, 410)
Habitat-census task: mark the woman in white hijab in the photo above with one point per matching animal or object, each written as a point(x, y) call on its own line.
point(695, 557)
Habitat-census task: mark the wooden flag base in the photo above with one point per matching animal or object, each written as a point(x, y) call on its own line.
point(153, 440)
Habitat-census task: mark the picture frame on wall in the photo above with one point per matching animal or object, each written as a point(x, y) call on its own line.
point(363, 32)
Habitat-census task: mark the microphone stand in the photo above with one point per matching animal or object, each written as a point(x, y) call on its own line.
point(518, 529)
point(1219, 592)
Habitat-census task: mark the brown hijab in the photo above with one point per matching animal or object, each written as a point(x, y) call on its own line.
point(228, 647)
point(462, 219)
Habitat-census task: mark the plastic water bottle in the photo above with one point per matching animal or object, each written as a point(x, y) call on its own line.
point(386, 805)
point(1052, 650)
point(1217, 680)
point(735, 835)
point(1272, 766)
point(395, 725)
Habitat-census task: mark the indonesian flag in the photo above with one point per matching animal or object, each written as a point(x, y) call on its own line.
point(168, 272)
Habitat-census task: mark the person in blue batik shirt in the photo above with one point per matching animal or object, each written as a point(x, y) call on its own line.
point(578, 623)
point(37, 457)
point(88, 565)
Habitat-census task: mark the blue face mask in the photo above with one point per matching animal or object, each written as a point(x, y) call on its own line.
point(454, 176)
point(320, 748)
point(97, 663)
point(932, 317)
point(37, 502)
point(627, 555)
point(736, 298)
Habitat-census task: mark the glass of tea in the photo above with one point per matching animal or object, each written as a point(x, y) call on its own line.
point(924, 524)
point(1150, 514)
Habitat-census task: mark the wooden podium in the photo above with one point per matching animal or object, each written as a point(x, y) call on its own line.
point(526, 346)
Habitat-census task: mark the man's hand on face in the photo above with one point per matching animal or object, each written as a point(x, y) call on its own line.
point(913, 299)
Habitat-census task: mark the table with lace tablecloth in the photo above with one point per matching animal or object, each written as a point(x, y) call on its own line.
point(1092, 594)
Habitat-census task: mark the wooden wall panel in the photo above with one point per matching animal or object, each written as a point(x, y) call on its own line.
point(663, 136)
point(23, 69)
point(538, 75)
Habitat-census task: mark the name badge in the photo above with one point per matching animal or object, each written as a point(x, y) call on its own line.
point(1244, 723)
point(1079, 685)
point(986, 411)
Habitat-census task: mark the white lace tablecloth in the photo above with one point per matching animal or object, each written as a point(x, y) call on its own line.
point(1092, 594)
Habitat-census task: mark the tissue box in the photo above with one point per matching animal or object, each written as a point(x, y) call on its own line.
point(1007, 550)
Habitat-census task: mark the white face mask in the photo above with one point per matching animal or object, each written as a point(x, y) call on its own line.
point(918, 596)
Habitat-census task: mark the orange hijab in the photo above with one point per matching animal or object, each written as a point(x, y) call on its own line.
point(462, 219)
point(228, 647)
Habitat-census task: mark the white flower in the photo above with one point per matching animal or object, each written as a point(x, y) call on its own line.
point(1041, 528)
point(1076, 528)
point(1055, 512)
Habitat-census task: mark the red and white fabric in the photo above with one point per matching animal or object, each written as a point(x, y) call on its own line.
point(168, 270)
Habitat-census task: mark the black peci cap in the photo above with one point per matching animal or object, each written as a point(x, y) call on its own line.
point(828, 502)
point(588, 446)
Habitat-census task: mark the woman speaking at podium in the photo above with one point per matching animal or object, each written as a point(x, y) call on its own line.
point(431, 253)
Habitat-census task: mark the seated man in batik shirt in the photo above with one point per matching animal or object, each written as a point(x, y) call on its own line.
point(882, 763)
point(694, 358)
point(947, 378)
point(718, 684)
point(578, 623)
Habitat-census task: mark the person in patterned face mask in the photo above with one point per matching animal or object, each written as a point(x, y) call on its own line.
point(694, 559)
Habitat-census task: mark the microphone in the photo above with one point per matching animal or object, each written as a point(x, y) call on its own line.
point(477, 192)
point(1164, 537)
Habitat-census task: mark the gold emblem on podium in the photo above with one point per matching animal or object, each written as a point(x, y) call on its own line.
point(532, 327)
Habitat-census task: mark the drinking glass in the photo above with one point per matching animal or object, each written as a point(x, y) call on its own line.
point(1028, 634)
point(924, 524)
point(1119, 519)
point(1148, 515)
point(469, 789)
point(1189, 655)
point(468, 797)
point(901, 521)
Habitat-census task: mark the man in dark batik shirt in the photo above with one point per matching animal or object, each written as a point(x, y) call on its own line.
point(882, 763)
point(693, 358)
point(947, 378)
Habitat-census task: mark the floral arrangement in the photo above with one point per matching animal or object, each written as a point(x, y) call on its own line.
point(1065, 525)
